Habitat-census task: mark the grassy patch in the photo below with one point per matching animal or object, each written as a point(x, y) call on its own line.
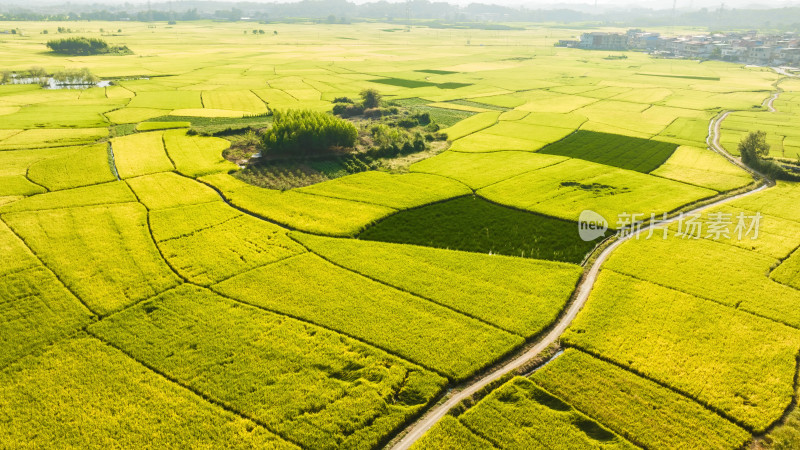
point(474, 104)
point(475, 225)
point(641, 155)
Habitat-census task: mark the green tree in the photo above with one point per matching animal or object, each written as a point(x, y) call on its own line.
point(754, 146)
point(371, 98)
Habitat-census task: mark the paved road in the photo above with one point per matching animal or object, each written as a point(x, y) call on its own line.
point(427, 421)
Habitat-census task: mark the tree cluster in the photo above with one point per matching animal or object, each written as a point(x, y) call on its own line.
point(370, 105)
point(304, 132)
point(83, 46)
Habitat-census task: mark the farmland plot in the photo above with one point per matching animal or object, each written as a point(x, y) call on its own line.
point(244, 101)
point(17, 162)
point(739, 278)
point(197, 155)
point(394, 191)
point(211, 242)
point(472, 124)
point(450, 434)
point(168, 190)
point(475, 225)
point(778, 126)
point(685, 131)
point(433, 336)
point(520, 296)
point(36, 308)
point(478, 170)
point(166, 100)
point(311, 213)
point(102, 253)
point(100, 194)
point(134, 115)
point(80, 167)
point(45, 399)
point(40, 138)
point(780, 201)
point(638, 409)
point(506, 135)
point(566, 189)
point(310, 385)
point(73, 114)
point(703, 167)
point(625, 152)
point(18, 185)
point(788, 272)
point(520, 414)
point(140, 154)
point(735, 362)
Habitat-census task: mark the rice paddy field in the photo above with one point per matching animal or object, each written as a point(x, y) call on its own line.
point(150, 298)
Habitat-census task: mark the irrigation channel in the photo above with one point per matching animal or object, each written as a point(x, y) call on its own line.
point(417, 429)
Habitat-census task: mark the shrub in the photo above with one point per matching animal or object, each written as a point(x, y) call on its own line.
point(373, 113)
point(305, 132)
point(407, 123)
point(342, 100)
point(347, 110)
point(423, 118)
point(371, 98)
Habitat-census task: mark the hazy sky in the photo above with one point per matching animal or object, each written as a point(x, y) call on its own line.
point(548, 4)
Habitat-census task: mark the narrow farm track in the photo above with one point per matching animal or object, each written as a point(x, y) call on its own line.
point(417, 429)
point(768, 102)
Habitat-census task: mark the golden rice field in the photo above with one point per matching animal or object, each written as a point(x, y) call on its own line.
point(151, 298)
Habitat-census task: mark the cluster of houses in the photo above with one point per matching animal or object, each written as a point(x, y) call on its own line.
point(746, 47)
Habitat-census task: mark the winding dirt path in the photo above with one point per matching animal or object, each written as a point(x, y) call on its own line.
point(427, 421)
